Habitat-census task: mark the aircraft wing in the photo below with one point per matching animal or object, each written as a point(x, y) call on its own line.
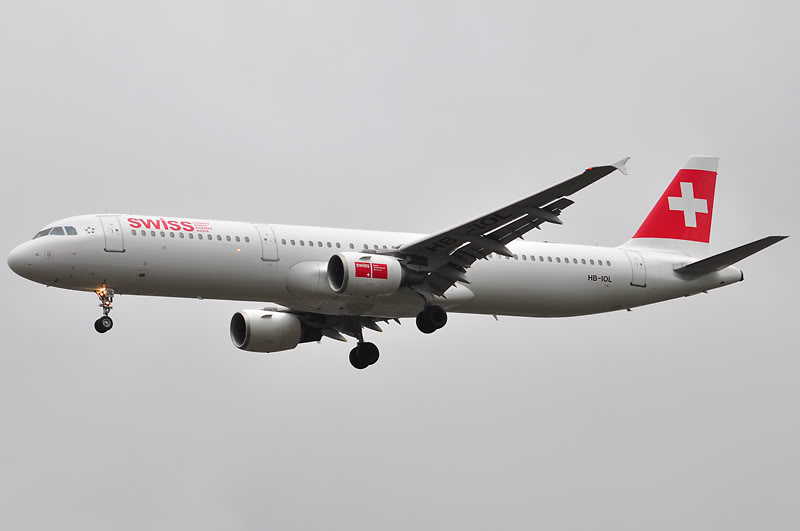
point(447, 255)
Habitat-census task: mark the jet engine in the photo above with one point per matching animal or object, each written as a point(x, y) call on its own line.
point(265, 331)
point(365, 275)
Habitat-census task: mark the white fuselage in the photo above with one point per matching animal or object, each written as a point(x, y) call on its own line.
point(286, 265)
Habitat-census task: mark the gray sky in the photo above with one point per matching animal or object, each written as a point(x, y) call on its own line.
point(400, 116)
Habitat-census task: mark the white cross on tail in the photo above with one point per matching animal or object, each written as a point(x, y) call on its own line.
point(688, 204)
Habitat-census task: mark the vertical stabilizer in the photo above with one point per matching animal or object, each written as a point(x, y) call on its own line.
point(681, 219)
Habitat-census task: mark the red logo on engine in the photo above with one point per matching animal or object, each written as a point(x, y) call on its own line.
point(367, 270)
point(380, 271)
point(363, 270)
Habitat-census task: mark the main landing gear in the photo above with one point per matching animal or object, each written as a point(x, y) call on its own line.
point(431, 319)
point(106, 297)
point(364, 355)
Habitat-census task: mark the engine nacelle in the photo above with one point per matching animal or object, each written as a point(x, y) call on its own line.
point(364, 275)
point(264, 331)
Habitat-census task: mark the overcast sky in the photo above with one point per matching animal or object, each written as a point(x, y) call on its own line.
point(409, 116)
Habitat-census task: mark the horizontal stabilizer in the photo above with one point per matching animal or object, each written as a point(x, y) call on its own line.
point(720, 261)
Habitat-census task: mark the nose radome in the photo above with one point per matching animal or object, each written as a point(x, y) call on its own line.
point(16, 260)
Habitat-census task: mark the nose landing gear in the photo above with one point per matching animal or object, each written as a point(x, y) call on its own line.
point(106, 296)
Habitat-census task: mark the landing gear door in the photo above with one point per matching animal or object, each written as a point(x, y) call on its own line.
point(269, 245)
point(638, 271)
point(112, 230)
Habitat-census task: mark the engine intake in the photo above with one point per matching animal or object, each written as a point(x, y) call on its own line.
point(264, 331)
point(365, 275)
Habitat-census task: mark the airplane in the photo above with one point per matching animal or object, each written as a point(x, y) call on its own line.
point(327, 282)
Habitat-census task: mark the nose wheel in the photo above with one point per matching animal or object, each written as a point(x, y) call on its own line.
point(106, 296)
point(103, 324)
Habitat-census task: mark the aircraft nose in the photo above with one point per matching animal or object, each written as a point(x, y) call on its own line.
point(16, 261)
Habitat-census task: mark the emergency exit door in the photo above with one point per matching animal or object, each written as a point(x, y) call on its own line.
point(112, 230)
point(269, 245)
point(638, 271)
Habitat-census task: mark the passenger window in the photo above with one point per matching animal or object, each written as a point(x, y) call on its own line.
point(366, 246)
point(310, 243)
point(41, 233)
point(574, 260)
point(302, 243)
point(292, 241)
point(329, 244)
point(583, 261)
point(191, 236)
point(163, 235)
point(219, 239)
point(152, 233)
point(599, 262)
point(338, 246)
point(352, 246)
point(133, 232)
point(549, 259)
point(71, 231)
point(181, 235)
point(591, 262)
point(237, 239)
point(283, 242)
point(524, 257)
point(558, 259)
point(608, 263)
point(143, 232)
point(247, 239)
point(171, 234)
point(516, 257)
point(228, 238)
point(385, 247)
point(319, 244)
point(57, 231)
point(566, 260)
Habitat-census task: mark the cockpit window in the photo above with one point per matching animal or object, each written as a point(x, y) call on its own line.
point(44, 232)
point(57, 231)
point(71, 231)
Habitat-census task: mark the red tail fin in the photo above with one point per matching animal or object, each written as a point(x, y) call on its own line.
point(684, 211)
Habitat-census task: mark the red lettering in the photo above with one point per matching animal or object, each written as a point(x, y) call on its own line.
point(150, 224)
point(161, 223)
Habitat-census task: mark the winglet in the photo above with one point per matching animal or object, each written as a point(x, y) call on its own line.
point(620, 165)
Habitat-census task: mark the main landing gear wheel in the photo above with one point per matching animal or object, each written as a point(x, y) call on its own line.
point(364, 355)
point(431, 319)
point(103, 324)
point(106, 297)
